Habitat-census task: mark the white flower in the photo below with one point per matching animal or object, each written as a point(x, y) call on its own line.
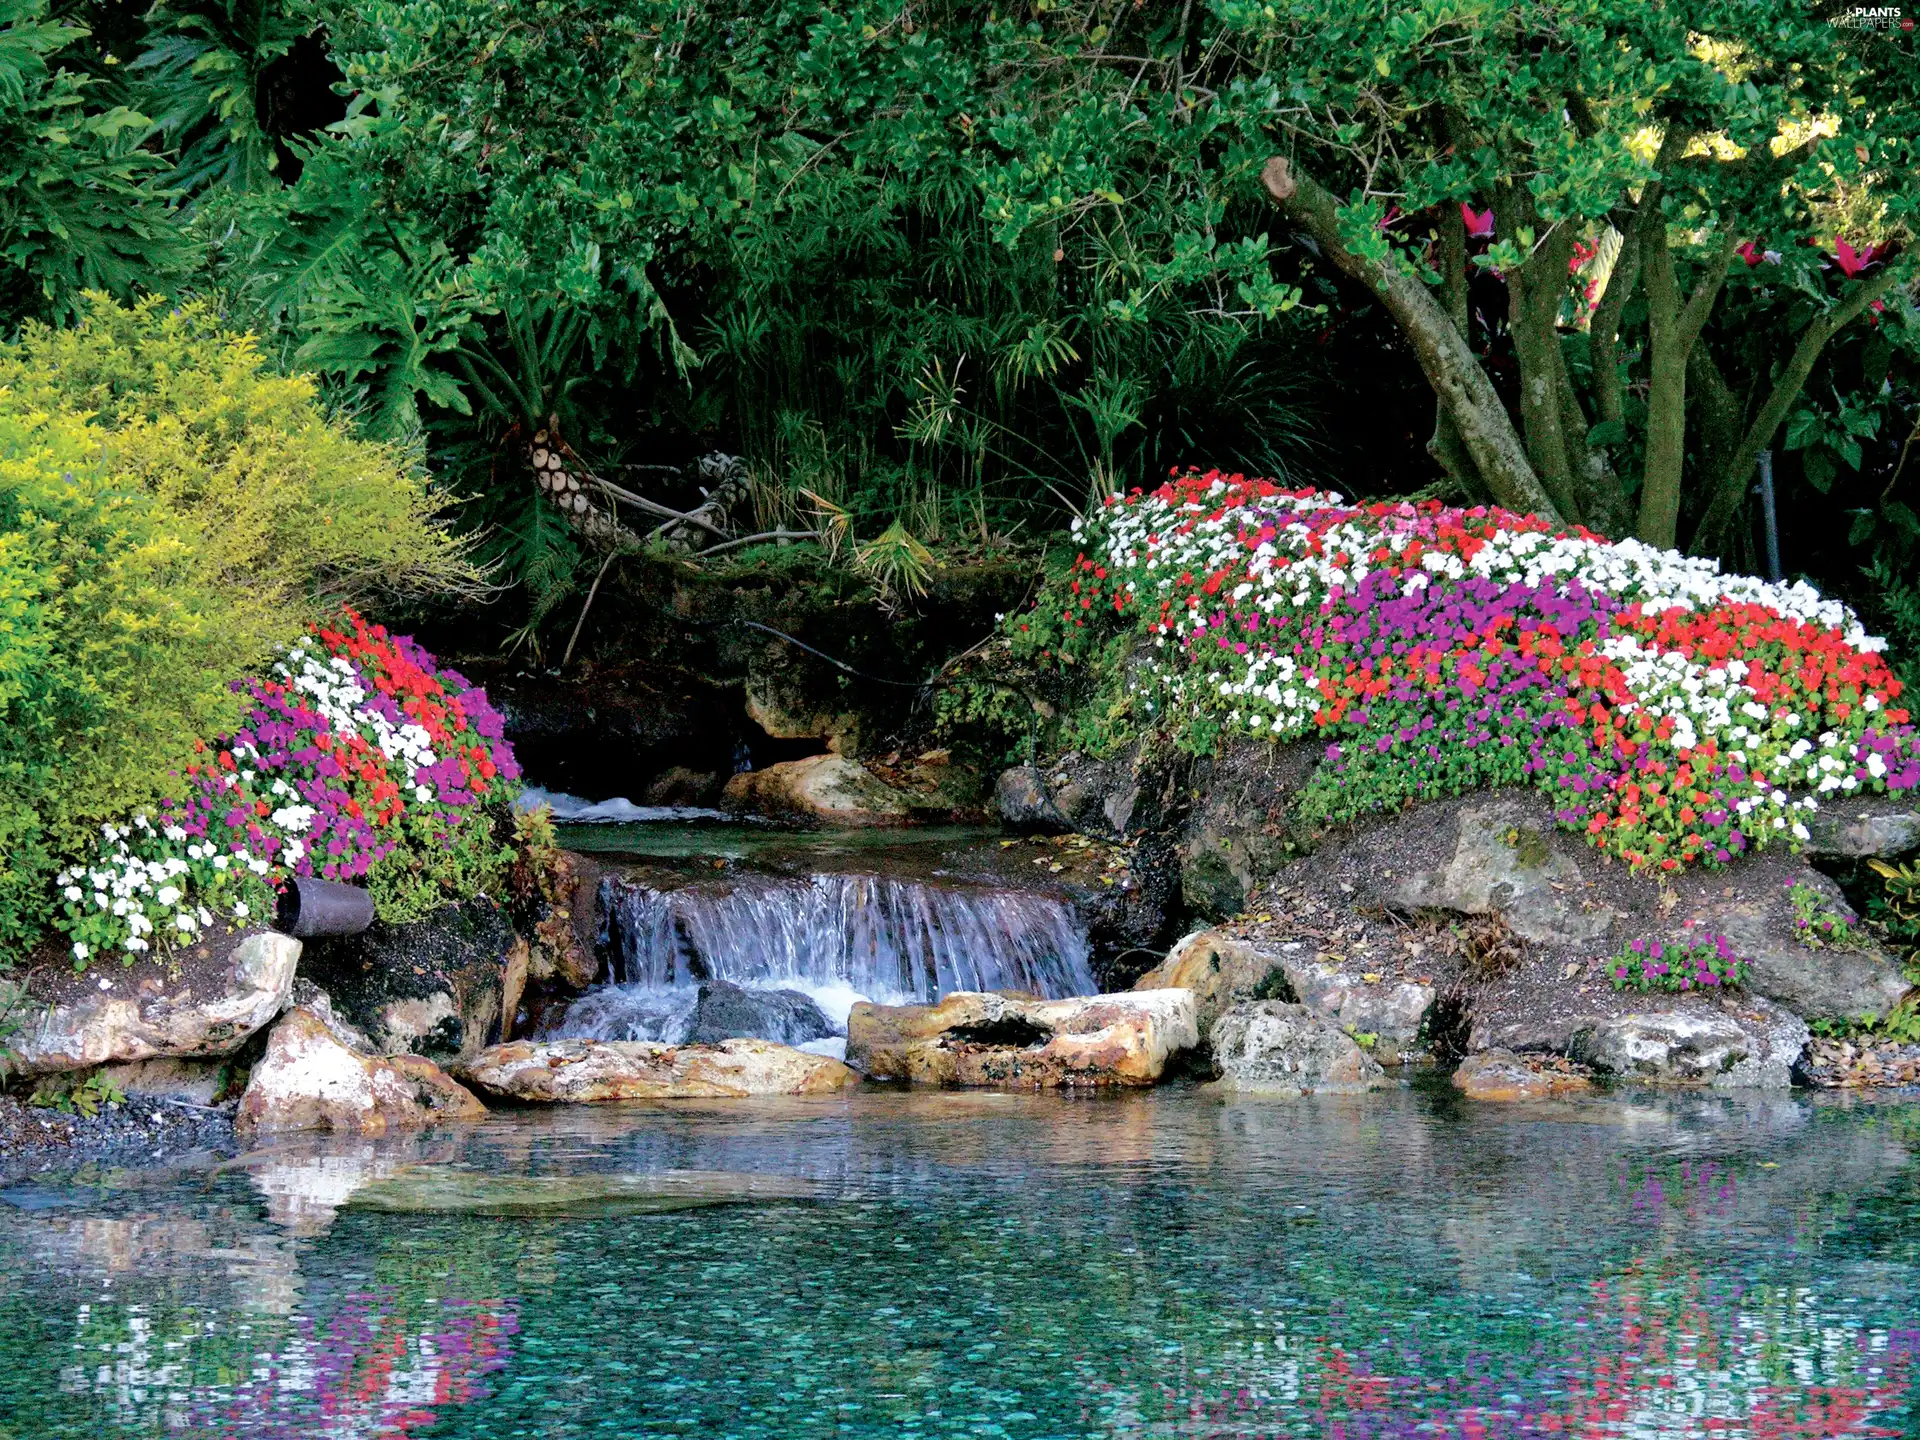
point(168, 894)
point(72, 892)
point(80, 952)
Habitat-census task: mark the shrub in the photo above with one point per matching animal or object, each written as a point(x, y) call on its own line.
point(1675, 714)
point(170, 512)
point(356, 757)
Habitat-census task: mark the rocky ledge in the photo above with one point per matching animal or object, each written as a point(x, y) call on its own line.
point(593, 1071)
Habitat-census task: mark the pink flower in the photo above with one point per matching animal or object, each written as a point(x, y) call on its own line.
point(1479, 223)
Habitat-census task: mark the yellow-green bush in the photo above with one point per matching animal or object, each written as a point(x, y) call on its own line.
point(170, 511)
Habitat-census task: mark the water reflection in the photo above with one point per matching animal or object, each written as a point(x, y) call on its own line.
point(1160, 1265)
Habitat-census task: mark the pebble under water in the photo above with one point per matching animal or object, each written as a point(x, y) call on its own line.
point(941, 1264)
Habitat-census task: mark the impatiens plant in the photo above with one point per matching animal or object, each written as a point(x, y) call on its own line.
point(1676, 715)
point(1705, 962)
point(1817, 922)
point(357, 758)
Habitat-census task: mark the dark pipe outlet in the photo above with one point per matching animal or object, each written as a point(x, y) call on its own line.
point(322, 907)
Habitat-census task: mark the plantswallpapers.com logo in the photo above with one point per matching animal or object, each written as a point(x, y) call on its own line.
point(1873, 17)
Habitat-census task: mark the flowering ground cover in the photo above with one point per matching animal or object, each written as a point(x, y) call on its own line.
point(358, 758)
point(1675, 714)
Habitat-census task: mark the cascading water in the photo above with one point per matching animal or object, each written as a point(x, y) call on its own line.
point(837, 938)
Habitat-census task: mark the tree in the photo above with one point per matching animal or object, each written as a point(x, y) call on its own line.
point(1623, 168)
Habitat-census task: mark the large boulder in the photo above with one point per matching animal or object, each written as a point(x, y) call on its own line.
point(1504, 859)
point(1020, 796)
point(726, 1011)
point(1221, 971)
point(1501, 1075)
point(203, 999)
point(828, 788)
point(1391, 1012)
point(591, 1071)
point(1865, 828)
point(312, 1078)
point(1743, 1044)
point(1270, 1047)
point(974, 1038)
point(1827, 982)
point(441, 987)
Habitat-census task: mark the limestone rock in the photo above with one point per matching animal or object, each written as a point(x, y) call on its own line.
point(1392, 1013)
point(787, 710)
point(1824, 983)
point(435, 988)
point(1220, 971)
point(829, 788)
point(1505, 860)
point(1872, 827)
point(1504, 1076)
point(973, 1038)
point(1271, 1047)
point(309, 1079)
point(728, 1012)
point(211, 999)
point(1746, 1043)
point(589, 1071)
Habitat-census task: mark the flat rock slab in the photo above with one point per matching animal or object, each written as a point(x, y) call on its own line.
point(593, 1071)
point(216, 996)
point(982, 1038)
point(1866, 828)
point(444, 1190)
point(314, 1079)
point(1502, 1076)
point(1269, 1047)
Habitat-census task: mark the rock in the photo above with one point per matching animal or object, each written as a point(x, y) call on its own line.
point(1393, 1014)
point(1823, 983)
point(1241, 829)
point(434, 988)
point(780, 703)
point(1020, 796)
point(1505, 859)
point(1272, 1047)
point(1220, 971)
point(677, 785)
point(310, 1080)
point(1746, 1043)
point(829, 788)
point(589, 1071)
point(728, 1012)
point(975, 1038)
point(1873, 827)
point(205, 1002)
point(1502, 1075)
point(196, 1082)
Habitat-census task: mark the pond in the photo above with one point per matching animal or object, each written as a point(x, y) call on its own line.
point(941, 1264)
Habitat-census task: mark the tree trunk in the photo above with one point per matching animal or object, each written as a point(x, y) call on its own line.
point(1450, 366)
point(1673, 329)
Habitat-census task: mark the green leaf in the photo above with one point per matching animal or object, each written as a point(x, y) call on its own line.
point(1607, 432)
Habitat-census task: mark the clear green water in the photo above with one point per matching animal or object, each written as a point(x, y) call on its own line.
point(713, 839)
point(1164, 1264)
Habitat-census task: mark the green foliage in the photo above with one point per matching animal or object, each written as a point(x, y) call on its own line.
point(1817, 923)
point(1897, 906)
point(77, 1094)
point(434, 864)
point(170, 512)
point(84, 205)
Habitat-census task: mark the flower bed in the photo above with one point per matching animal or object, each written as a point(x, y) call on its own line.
point(358, 758)
point(1705, 962)
point(1675, 714)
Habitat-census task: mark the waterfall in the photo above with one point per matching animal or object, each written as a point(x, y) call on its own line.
point(835, 937)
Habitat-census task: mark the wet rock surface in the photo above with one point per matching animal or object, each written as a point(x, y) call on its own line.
point(1877, 826)
point(1750, 1045)
point(729, 1012)
point(314, 1077)
point(1271, 1047)
point(975, 1038)
point(593, 1071)
point(203, 1000)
